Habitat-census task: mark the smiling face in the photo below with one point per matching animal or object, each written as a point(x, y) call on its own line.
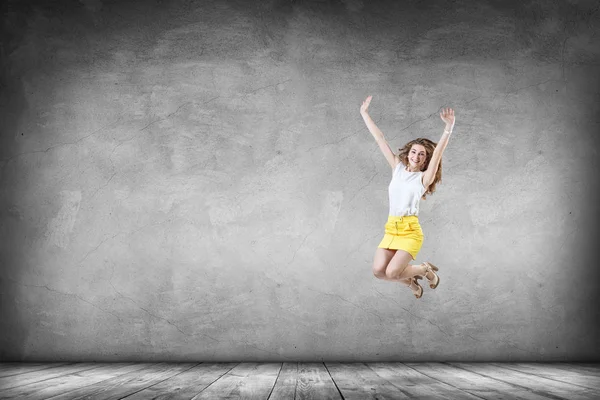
point(417, 157)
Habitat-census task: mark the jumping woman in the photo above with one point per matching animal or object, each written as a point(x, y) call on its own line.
point(415, 172)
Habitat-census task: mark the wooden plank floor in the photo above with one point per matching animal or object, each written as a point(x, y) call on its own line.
point(530, 381)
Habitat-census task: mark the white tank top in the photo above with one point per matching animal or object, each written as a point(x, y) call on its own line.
point(405, 191)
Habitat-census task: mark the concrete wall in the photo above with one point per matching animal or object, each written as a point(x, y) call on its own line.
point(192, 180)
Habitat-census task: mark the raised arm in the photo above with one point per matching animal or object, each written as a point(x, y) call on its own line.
point(392, 158)
point(447, 115)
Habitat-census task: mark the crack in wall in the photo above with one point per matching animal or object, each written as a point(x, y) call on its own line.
point(348, 301)
point(153, 315)
point(258, 348)
point(105, 185)
point(67, 294)
point(362, 187)
point(452, 334)
point(409, 312)
point(150, 123)
point(301, 244)
point(268, 86)
point(358, 247)
point(61, 144)
point(127, 233)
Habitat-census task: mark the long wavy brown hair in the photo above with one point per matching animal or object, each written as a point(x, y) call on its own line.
point(429, 148)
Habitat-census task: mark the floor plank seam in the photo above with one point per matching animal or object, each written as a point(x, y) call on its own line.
point(500, 365)
point(47, 379)
point(220, 376)
point(444, 383)
point(333, 380)
point(275, 383)
point(84, 386)
point(156, 383)
point(544, 394)
point(36, 370)
point(296, 384)
point(390, 382)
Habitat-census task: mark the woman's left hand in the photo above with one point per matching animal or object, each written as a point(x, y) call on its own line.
point(447, 115)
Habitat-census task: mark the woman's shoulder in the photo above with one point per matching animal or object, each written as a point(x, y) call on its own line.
point(399, 165)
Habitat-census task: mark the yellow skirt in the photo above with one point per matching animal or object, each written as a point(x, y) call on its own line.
point(403, 233)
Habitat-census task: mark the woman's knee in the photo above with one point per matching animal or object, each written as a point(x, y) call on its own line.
point(398, 263)
point(379, 271)
point(391, 272)
point(381, 261)
point(394, 271)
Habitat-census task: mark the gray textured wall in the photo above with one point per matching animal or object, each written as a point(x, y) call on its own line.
point(192, 180)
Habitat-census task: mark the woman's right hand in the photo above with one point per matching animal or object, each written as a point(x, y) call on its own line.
point(365, 105)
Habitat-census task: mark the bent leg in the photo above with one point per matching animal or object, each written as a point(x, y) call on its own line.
point(380, 263)
point(413, 270)
point(399, 267)
point(398, 264)
point(381, 260)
